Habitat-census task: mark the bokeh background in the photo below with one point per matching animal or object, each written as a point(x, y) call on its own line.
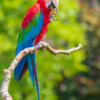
point(61, 77)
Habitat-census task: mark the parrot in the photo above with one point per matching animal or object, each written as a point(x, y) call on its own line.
point(33, 29)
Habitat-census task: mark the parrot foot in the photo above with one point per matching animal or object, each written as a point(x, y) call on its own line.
point(43, 44)
point(54, 13)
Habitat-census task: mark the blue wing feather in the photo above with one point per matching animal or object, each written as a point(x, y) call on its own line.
point(19, 68)
point(34, 31)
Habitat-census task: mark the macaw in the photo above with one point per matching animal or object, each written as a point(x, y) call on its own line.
point(34, 27)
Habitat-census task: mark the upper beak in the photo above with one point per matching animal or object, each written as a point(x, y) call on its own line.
point(56, 3)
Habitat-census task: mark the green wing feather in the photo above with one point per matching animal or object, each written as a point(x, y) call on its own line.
point(25, 30)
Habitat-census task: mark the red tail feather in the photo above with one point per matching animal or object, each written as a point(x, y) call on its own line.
point(25, 68)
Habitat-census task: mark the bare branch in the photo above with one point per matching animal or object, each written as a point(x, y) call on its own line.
point(67, 52)
point(8, 72)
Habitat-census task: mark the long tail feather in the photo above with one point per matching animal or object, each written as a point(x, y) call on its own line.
point(25, 68)
point(30, 67)
point(35, 72)
point(19, 68)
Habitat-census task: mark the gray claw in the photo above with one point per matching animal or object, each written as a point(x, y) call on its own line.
point(54, 19)
point(58, 9)
point(43, 48)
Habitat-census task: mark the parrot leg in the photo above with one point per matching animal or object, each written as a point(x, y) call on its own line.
point(53, 18)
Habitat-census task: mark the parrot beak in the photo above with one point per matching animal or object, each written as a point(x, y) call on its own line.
point(56, 3)
point(53, 5)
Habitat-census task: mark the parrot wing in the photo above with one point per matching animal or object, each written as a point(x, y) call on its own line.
point(32, 24)
point(31, 27)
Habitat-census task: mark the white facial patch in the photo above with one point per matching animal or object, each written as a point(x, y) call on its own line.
point(47, 2)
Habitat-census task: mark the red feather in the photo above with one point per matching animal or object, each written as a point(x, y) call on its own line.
point(31, 13)
point(25, 68)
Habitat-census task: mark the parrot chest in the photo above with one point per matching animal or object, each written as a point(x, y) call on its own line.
point(46, 19)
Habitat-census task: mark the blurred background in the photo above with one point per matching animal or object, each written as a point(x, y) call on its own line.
point(61, 77)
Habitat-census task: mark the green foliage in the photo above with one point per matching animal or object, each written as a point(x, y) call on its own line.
point(63, 34)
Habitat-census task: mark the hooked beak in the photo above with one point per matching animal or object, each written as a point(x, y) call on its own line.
point(54, 4)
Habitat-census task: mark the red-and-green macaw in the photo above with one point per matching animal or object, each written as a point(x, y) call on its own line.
point(33, 29)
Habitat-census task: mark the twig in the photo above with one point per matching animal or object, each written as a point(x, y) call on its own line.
point(8, 72)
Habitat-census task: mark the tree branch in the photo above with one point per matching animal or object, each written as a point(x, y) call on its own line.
point(8, 72)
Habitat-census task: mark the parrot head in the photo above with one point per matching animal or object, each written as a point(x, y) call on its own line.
point(51, 4)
